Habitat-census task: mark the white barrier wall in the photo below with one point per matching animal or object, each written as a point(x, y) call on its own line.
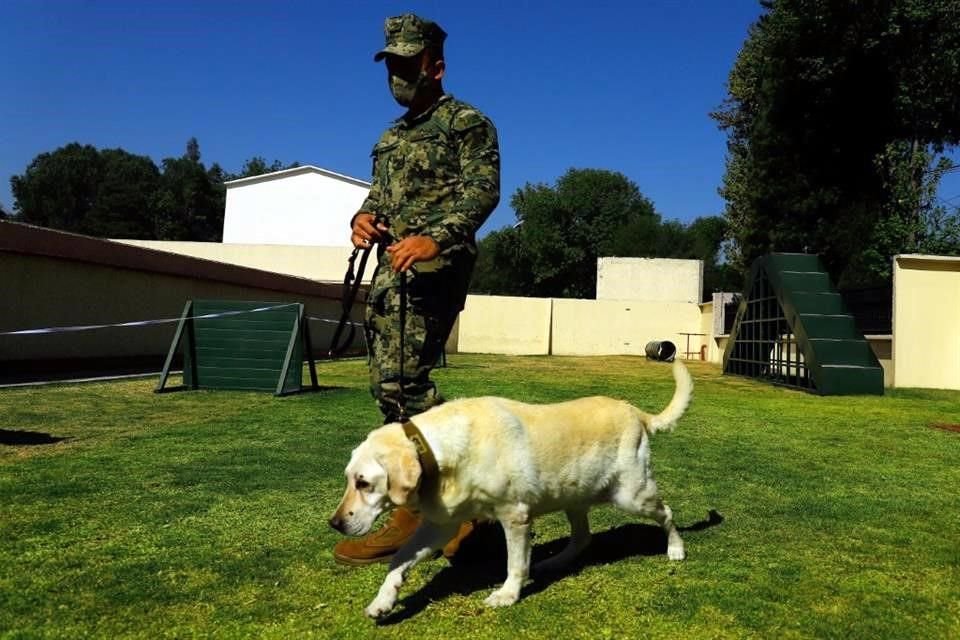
point(650, 279)
point(324, 264)
point(706, 342)
point(50, 292)
point(501, 324)
point(541, 326)
point(602, 327)
point(56, 279)
point(926, 321)
point(882, 346)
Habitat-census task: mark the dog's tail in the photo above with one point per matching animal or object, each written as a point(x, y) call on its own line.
point(667, 419)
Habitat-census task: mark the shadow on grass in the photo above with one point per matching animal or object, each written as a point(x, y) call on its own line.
point(27, 438)
point(482, 560)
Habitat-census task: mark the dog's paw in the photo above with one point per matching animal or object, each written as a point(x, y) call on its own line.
point(676, 552)
point(501, 598)
point(378, 609)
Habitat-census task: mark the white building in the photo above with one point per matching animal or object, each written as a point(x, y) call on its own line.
point(304, 206)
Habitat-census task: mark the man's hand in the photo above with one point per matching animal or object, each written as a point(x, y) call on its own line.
point(366, 230)
point(411, 250)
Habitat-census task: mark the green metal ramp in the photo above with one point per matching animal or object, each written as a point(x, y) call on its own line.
point(792, 328)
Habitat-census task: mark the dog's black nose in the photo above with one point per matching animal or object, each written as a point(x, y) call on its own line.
point(337, 523)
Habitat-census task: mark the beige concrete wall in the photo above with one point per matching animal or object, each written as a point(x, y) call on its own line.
point(706, 328)
point(882, 346)
point(720, 343)
point(600, 327)
point(325, 264)
point(926, 321)
point(540, 326)
point(502, 324)
point(717, 339)
point(650, 279)
point(42, 291)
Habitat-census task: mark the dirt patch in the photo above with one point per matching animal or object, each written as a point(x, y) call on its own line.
point(945, 426)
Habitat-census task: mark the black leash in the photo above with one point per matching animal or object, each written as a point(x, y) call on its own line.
point(350, 292)
point(402, 400)
point(351, 286)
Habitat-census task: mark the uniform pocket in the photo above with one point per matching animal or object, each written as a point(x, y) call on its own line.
point(382, 148)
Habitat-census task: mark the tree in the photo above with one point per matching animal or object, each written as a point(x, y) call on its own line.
point(564, 229)
point(257, 165)
point(706, 238)
point(836, 114)
point(115, 194)
point(80, 189)
point(190, 199)
point(552, 251)
point(503, 267)
point(193, 150)
point(124, 204)
point(189, 206)
point(58, 188)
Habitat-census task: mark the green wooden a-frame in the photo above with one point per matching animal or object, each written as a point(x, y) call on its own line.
point(792, 328)
point(242, 345)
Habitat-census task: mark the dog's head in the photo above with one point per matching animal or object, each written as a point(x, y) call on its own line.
point(383, 473)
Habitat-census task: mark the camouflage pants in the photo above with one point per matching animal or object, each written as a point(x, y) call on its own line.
point(424, 335)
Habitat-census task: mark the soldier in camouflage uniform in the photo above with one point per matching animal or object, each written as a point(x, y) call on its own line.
point(436, 179)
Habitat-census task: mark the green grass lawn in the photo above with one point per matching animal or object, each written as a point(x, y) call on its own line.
point(204, 514)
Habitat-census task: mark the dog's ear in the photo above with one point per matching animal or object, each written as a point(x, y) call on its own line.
point(403, 474)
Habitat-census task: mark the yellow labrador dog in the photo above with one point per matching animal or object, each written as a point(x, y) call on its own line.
point(509, 461)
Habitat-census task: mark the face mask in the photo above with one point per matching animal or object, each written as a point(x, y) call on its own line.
point(404, 91)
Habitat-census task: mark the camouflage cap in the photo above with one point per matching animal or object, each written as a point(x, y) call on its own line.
point(408, 35)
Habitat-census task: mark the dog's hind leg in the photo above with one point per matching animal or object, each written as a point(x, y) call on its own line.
point(427, 539)
point(649, 505)
point(516, 528)
point(638, 494)
point(579, 540)
point(664, 517)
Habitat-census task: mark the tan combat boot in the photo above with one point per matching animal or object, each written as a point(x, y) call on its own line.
point(380, 545)
point(383, 543)
point(451, 548)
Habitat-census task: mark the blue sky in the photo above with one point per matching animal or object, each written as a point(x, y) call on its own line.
point(625, 86)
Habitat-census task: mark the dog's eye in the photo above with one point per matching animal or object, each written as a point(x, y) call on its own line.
point(361, 484)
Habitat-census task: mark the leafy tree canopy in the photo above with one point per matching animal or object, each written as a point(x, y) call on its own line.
point(552, 251)
point(836, 114)
point(257, 166)
point(78, 188)
point(116, 194)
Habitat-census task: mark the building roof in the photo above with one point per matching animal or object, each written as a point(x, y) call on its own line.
point(296, 171)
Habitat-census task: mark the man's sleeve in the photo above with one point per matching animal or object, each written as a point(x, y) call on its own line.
point(372, 202)
point(479, 153)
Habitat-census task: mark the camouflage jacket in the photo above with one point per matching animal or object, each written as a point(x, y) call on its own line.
point(439, 176)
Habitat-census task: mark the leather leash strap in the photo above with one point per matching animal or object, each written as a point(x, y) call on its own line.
point(351, 285)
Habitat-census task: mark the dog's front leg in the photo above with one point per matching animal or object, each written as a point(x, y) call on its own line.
point(516, 528)
point(425, 541)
